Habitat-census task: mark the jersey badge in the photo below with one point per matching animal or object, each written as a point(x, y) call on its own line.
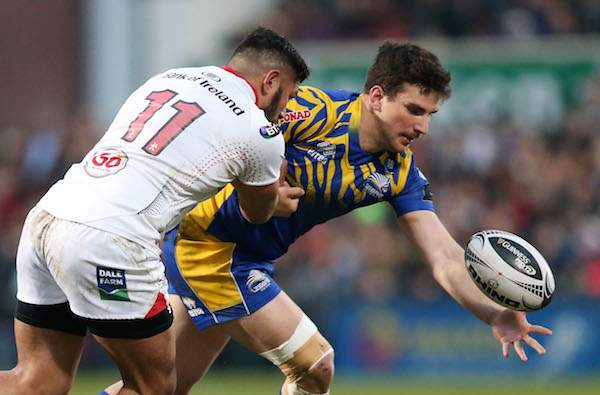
point(105, 162)
point(427, 195)
point(269, 131)
point(112, 284)
point(377, 185)
point(390, 165)
point(257, 281)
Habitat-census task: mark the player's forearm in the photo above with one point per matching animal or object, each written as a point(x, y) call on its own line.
point(454, 278)
point(260, 214)
point(257, 203)
point(446, 260)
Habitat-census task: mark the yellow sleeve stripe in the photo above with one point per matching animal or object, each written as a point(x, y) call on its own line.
point(404, 169)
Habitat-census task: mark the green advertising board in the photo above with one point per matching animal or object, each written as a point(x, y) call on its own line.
point(531, 85)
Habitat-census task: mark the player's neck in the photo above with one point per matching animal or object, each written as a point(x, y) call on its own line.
point(368, 135)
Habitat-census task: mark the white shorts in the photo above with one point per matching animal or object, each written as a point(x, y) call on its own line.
point(102, 276)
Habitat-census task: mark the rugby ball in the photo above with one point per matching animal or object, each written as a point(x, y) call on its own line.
point(509, 270)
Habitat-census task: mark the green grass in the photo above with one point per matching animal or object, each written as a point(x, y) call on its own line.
point(261, 383)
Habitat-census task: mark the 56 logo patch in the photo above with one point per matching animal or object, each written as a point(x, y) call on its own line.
point(112, 284)
point(105, 162)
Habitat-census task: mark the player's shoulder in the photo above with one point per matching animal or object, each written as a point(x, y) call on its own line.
point(314, 110)
point(409, 170)
point(312, 96)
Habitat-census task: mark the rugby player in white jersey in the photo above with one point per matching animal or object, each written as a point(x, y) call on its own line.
point(89, 256)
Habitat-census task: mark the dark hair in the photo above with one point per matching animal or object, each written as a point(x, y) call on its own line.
point(266, 42)
point(396, 64)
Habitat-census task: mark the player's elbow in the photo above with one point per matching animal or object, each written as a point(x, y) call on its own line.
point(257, 219)
point(447, 267)
point(257, 204)
point(258, 215)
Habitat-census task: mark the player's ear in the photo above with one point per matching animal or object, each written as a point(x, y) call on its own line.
point(375, 96)
point(270, 82)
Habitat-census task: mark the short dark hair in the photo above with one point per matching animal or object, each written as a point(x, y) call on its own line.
point(266, 42)
point(396, 64)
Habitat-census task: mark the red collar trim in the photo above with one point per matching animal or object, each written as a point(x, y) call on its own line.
point(234, 72)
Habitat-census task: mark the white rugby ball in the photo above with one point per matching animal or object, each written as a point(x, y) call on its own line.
point(509, 270)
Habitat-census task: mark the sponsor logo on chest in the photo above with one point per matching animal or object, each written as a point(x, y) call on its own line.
point(323, 152)
point(294, 116)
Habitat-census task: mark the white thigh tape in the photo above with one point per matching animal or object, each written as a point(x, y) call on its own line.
point(305, 329)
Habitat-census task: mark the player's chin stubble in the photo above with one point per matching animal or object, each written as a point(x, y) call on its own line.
point(271, 111)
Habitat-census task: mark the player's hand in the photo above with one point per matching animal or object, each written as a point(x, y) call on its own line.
point(283, 171)
point(289, 197)
point(511, 328)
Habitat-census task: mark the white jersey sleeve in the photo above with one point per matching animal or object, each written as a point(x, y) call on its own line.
point(177, 140)
point(260, 164)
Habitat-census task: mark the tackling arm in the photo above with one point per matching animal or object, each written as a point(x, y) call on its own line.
point(257, 203)
point(446, 260)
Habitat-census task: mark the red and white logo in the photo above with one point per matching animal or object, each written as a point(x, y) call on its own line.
point(105, 162)
point(294, 115)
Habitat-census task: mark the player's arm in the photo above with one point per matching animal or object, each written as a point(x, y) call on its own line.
point(257, 203)
point(446, 260)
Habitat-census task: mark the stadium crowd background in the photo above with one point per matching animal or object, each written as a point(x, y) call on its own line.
point(362, 19)
point(541, 183)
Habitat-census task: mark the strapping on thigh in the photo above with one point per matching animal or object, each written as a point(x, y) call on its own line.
point(306, 348)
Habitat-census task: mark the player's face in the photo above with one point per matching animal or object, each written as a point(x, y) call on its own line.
point(287, 90)
point(405, 117)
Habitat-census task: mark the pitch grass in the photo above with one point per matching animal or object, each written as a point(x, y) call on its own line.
point(264, 383)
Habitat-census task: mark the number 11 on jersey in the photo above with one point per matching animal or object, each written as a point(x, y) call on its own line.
point(185, 115)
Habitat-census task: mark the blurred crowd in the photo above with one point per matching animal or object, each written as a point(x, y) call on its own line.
point(32, 158)
point(364, 19)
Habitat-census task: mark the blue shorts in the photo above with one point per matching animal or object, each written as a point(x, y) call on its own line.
point(216, 281)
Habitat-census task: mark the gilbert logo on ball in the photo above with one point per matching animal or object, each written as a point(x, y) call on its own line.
point(509, 270)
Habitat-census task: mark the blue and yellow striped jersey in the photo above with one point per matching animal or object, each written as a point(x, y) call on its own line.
point(325, 159)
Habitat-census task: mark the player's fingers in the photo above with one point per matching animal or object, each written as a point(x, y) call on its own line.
point(534, 344)
point(519, 350)
point(505, 349)
point(282, 171)
point(295, 192)
point(540, 329)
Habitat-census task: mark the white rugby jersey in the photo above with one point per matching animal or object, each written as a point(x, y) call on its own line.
point(177, 140)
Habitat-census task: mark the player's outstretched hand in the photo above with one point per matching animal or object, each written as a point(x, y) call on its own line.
point(288, 200)
point(511, 328)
